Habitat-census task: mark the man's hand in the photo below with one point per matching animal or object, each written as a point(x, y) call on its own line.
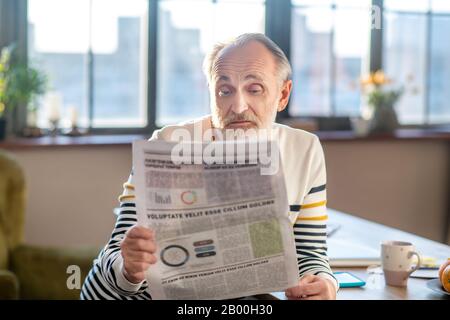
point(311, 287)
point(137, 249)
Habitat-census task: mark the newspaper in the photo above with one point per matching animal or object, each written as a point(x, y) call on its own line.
point(222, 230)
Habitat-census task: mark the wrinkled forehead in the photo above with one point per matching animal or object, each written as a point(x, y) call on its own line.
point(246, 62)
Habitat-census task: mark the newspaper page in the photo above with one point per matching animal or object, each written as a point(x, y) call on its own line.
point(222, 230)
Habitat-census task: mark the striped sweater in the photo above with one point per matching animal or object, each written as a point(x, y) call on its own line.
point(305, 175)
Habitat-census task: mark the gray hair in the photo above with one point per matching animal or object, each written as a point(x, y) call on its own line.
point(283, 65)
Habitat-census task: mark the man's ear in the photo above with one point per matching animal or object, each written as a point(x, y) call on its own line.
point(285, 94)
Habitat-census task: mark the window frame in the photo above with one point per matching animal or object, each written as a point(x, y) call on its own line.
point(277, 27)
point(150, 85)
point(429, 14)
point(374, 58)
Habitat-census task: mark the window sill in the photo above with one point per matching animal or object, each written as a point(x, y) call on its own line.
point(400, 134)
point(13, 143)
point(66, 141)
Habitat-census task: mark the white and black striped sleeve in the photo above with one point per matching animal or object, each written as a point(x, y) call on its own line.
point(310, 227)
point(106, 280)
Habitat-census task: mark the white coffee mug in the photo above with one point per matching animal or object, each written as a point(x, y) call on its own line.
point(397, 262)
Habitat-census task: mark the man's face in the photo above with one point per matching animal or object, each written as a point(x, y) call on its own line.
point(246, 91)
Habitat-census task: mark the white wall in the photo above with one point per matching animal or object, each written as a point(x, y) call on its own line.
point(73, 190)
point(403, 184)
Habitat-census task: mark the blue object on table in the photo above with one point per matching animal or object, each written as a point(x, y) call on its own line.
point(348, 280)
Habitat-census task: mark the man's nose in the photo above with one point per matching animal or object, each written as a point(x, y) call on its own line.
point(239, 104)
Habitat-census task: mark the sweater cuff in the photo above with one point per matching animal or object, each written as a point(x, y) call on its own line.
point(122, 282)
point(330, 277)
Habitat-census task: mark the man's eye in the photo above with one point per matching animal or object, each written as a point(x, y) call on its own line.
point(256, 89)
point(224, 92)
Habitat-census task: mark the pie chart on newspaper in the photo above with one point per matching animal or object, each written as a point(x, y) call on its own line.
point(174, 256)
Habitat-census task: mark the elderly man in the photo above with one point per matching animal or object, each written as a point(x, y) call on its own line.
point(249, 80)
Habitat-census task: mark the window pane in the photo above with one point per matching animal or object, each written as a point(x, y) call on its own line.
point(316, 64)
point(186, 30)
point(339, 3)
point(353, 3)
point(310, 58)
point(440, 6)
point(312, 3)
point(405, 62)
point(119, 44)
point(58, 39)
point(351, 42)
point(405, 5)
point(60, 35)
point(440, 71)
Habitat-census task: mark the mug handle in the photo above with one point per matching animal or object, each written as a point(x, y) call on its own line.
point(417, 266)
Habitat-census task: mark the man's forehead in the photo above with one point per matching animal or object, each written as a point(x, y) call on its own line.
point(246, 75)
point(225, 69)
point(251, 61)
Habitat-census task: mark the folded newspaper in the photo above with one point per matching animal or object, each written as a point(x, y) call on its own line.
point(222, 229)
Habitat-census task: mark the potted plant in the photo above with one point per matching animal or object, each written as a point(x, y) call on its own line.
point(19, 84)
point(381, 101)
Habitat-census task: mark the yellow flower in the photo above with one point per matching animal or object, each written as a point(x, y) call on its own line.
point(375, 78)
point(379, 78)
point(367, 80)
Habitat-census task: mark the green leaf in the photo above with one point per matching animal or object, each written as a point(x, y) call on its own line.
point(19, 82)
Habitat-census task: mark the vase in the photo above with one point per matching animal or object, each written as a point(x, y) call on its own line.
point(384, 120)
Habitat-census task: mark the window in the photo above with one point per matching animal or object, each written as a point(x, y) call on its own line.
point(104, 62)
point(329, 51)
point(94, 52)
point(439, 83)
point(416, 54)
point(186, 30)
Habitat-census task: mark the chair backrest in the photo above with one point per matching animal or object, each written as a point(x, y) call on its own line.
point(12, 205)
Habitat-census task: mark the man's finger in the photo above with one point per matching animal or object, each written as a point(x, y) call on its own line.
point(311, 289)
point(140, 256)
point(305, 290)
point(140, 232)
point(315, 297)
point(288, 293)
point(308, 278)
point(141, 245)
point(291, 292)
point(290, 296)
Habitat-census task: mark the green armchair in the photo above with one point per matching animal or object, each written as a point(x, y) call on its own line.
point(31, 272)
